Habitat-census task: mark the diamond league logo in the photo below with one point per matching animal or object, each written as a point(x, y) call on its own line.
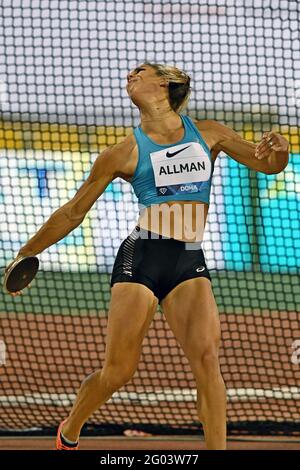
point(163, 190)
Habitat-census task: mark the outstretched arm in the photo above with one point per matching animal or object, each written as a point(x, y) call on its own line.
point(107, 166)
point(270, 156)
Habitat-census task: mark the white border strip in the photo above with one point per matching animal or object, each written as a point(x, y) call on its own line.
point(153, 397)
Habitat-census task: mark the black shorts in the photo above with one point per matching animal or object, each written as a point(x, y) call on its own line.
point(160, 264)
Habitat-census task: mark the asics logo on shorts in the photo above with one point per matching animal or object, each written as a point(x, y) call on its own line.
point(200, 269)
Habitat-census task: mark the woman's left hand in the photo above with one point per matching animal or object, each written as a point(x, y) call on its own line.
point(269, 143)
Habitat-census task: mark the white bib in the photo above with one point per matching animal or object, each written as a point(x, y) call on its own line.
point(180, 169)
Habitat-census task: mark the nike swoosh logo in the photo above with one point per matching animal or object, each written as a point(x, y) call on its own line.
point(168, 154)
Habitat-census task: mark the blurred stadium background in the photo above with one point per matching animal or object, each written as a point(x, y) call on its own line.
point(63, 72)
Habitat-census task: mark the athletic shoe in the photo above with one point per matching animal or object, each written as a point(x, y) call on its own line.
point(63, 446)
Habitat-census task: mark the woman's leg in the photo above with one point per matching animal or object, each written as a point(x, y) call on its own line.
point(192, 314)
point(132, 309)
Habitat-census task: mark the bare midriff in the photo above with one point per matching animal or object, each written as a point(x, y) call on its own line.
point(182, 220)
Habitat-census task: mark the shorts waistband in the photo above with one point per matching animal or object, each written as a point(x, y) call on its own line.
point(144, 234)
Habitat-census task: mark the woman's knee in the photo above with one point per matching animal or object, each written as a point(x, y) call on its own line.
point(205, 361)
point(209, 358)
point(115, 377)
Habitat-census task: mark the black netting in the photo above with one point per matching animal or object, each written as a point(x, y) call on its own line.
point(63, 100)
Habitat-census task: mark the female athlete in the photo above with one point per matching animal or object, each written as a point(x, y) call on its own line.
point(169, 160)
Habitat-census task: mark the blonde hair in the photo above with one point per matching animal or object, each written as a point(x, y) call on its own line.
point(179, 84)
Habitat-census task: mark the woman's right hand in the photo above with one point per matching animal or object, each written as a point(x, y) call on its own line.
point(19, 292)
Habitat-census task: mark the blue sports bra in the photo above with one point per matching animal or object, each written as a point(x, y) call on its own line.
point(175, 172)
